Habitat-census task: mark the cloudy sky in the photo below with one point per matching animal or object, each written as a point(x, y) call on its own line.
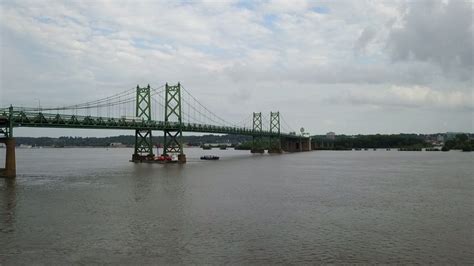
point(344, 66)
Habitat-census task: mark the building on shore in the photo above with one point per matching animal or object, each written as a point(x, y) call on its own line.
point(331, 135)
point(440, 138)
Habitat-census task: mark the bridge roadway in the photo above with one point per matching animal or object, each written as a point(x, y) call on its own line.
point(16, 117)
point(45, 120)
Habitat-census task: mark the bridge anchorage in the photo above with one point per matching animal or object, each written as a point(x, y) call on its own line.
point(168, 108)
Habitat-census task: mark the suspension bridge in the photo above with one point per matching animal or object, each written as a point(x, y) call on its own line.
point(171, 109)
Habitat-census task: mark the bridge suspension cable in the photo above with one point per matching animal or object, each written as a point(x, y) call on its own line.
point(247, 122)
point(286, 126)
point(198, 109)
point(265, 122)
point(110, 100)
point(123, 97)
point(123, 105)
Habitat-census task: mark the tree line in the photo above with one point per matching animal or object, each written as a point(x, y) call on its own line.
point(127, 140)
point(344, 142)
point(460, 142)
point(341, 142)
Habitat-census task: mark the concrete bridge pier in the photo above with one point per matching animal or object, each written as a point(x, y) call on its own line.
point(275, 146)
point(290, 145)
point(314, 145)
point(10, 161)
point(296, 144)
point(306, 144)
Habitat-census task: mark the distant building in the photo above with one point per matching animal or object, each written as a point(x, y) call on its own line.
point(440, 138)
point(331, 135)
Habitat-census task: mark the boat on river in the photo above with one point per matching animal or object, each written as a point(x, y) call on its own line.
point(210, 157)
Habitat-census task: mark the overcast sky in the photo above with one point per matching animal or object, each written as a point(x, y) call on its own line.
point(344, 66)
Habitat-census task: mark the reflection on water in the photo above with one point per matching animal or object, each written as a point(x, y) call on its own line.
point(93, 206)
point(8, 205)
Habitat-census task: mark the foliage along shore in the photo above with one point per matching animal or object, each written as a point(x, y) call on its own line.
point(340, 142)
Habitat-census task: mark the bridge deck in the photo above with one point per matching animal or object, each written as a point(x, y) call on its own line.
point(46, 120)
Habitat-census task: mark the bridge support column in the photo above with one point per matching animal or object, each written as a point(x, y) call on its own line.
point(10, 161)
point(292, 145)
point(313, 145)
point(275, 150)
point(143, 138)
point(173, 132)
point(306, 144)
point(257, 141)
point(275, 140)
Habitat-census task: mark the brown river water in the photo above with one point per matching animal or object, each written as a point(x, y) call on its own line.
point(92, 206)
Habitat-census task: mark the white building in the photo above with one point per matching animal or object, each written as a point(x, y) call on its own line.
point(440, 138)
point(331, 135)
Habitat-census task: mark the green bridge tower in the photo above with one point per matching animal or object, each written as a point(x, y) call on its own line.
point(275, 141)
point(173, 132)
point(143, 137)
point(257, 141)
point(10, 160)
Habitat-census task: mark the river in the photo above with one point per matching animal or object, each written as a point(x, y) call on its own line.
point(91, 205)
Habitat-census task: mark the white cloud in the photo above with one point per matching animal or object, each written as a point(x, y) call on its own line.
point(261, 55)
point(283, 6)
point(409, 97)
point(438, 32)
